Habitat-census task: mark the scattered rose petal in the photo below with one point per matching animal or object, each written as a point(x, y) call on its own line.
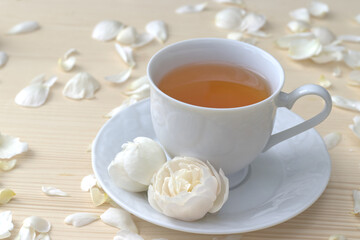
point(51, 191)
point(82, 85)
point(345, 103)
point(259, 34)
point(36, 93)
point(6, 224)
point(296, 26)
point(139, 88)
point(126, 103)
point(127, 35)
point(356, 126)
point(235, 36)
point(302, 48)
point(3, 58)
point(88, 182)
point(232, 2)
point(337, 237)
point(68, 62)
point(337, 72)
point(324, 82)
point(356, 198)
point(7, 165)
point(352, 59)
point(142, 39)
point(229, 18)
point(191, 8)
point(252, 22)
point(24, 27)
point(332, 139)
point(11, 146)
point(81, 219)
point(330, 53)
point(318, 9)
point(98, 197)
point(121, 77)
point(127, 235)
point(357, 18)
point(158, 29)
point(136, 163)
point(26, 233)
point(126, 54)
point(301, 14)
point(42, 236)
point(349, 38)
point(119, 218)
point(39, 224)
point(354, 78)
point(285, 41)
point(106, 30)
point(324, 35)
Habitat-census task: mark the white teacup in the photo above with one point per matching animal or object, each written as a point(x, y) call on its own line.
point(230, 138)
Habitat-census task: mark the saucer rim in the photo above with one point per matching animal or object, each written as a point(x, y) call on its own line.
point(200, 231)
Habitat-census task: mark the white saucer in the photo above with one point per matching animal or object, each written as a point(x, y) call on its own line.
point(282, 182)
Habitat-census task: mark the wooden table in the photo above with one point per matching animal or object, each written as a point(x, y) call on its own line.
point(59, 132)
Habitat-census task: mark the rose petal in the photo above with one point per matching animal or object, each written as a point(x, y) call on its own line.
point(231, 2)
point(354, 78)
point(345, 103)
point(349, 38)
point(318, 9)
point(330, 53)
point(126, 54)
point(42, 236)
point(106, 30)
point(127, 36)
point(11, 146)
point(6, 224)
point(70, 52)
point(24, 27)
point(97, 196)
point(36, 93)
point(7, 165)
point(119, 218)
point(357, 18)
point(81, 219)
point(81, 86)
point(51, 191)
point(303, 48)
point(235, 36)
point(127, 235)
point(301, 14)
point(337, 237)
point(158, 29)
point(67, 64)
point(121, 77)
point(285, 41)
point(139, 88)
point(332, 139)
point(352, 59)
point(88, 182)
point(39, 224)
point(252, 22)
point(324, 82)
point(126, 103)
point(337, 72)
point(296, 26)
point(26, 233)
point(229, 18)
point(356, 198)
point(324, 35)
point(223, 195)
point(191, 8)
point(142, 39)
point(356, 126)
point(3, 58)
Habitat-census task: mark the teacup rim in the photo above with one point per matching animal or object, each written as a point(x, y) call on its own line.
point(269, 98)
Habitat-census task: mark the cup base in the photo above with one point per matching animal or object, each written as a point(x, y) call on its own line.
point(237, 178)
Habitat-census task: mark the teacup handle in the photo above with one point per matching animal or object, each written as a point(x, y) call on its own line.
point(288, 99)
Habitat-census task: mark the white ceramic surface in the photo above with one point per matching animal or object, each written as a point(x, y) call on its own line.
point(230, 138)
point(282, 182)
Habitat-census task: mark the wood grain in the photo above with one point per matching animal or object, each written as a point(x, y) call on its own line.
point(60, 131)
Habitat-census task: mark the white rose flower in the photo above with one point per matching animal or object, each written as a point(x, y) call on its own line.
point(133, 167)
point(187, 188)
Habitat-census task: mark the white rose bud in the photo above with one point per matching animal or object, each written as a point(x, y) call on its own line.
point(133, 167)
point(187, 188)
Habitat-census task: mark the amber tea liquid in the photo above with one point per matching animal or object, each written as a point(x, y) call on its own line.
point(215, 85)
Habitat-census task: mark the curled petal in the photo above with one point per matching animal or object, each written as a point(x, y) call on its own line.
point(39, 224)
point(352, 59)
point(356, 198)
point(126, 54)
point(229, 18)
point(88, 182)
point(121, 77)
point(302, 48)
point(6, 195)
point(11, 146)
point(318, 9)
point(332, 139)
point(301, 14)
point(356, 126)
point(346, 103)
point(81, 219)
point(191, 8)
point(297, 26)
point(349, 38)
point(24, 27)
point(6, 224)
point(127, 36)
point(354, 78)
point(158, 29)
point(127, 235)
point(67, 64)
point(285, 42)
point(51, 191)
point(26, 233)
point(3, 58)
point(142, 39)
point(7, 165)
point(252, 22)
point(324, 82)
point(98, 197)
point(106, 30)
point(324, 35)
point(119, 218)
point(82, 85)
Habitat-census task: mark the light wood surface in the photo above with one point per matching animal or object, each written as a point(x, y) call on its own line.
point(59, 132)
